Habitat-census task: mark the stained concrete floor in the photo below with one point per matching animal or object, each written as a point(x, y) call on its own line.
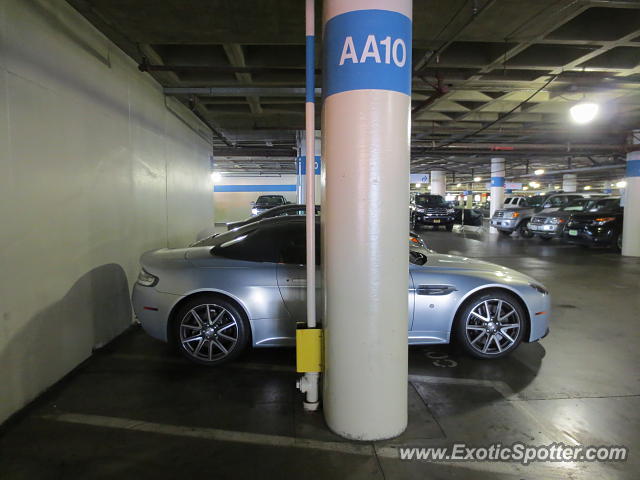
point(137, 410)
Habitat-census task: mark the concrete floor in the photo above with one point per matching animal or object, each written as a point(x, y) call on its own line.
point(136, 409)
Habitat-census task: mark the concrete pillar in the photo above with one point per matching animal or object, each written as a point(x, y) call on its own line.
point(497, 187)
point(631, 227)
point(366, 114)
point(438, 182)
point(470, 199)
point(569, 182)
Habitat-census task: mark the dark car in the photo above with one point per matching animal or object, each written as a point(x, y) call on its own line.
point(468, 216)
point(601, 226)
point(289, 209)
point(431, 210)
point(266, 202)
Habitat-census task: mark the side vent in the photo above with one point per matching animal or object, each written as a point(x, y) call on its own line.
point(435, 289)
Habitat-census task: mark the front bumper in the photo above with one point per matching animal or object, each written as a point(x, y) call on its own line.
point(545, 229)
point(425, 219)
point(539, 312)
point(507, 224)
point(152, 309)
point(591, 235)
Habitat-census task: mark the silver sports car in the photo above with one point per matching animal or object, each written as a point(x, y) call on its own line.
point(247, 286)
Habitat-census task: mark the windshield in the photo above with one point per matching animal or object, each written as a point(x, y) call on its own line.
point(535, 201)
point(575, 206)
point(430, 201)
point(270, 200)
point(604, 204)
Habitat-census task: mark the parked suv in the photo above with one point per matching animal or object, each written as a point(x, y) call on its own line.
point(601, 225)
point(431, 210)
point(515, 202)
point(551, 224)
point(509, 220)
point(265, 202)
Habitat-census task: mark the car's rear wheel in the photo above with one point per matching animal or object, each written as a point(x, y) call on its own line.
point(490, 325)
point(449, 227)
point(506, 233)
point(210, 330)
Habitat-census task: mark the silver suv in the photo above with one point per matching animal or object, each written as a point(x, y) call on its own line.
point(509, 220)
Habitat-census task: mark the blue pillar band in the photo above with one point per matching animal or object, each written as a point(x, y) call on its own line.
point(311, 68)
point(367, 50)
point(497, 181)
point(633, 168)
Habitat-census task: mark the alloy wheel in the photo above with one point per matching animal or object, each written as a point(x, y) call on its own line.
point(208, 332)
point(492, 326)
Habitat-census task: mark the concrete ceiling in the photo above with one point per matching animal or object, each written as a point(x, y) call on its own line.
point(491, 77)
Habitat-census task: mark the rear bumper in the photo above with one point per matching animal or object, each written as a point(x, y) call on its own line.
point(152, 309)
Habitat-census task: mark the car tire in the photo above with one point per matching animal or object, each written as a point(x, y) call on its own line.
point(546, 238)
point(493, 335)
point(449, 227)
point(210, 330)
point(506, 233)
point(523, 231)
point(617, 242)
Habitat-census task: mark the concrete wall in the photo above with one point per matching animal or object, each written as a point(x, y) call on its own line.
point(95, 168)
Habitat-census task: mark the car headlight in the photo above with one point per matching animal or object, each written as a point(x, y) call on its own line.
point(603, 220)
point(146, 279)
point(539, 288)
point(555, 220)
point(254, 211)
point(420, 210)
point(451, 210)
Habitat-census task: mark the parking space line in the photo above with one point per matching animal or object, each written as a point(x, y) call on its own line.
point(211, 433)
point(180, 361)
point(503, 388)
point(361, 449)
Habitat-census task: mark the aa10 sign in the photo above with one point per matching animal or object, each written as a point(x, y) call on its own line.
point(368, 49)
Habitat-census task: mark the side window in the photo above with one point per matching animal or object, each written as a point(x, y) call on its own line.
point(292, 247)
point(258, 245)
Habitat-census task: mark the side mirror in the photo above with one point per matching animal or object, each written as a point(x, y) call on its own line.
point(253, 204)
point(547, 205)
point(417, 258)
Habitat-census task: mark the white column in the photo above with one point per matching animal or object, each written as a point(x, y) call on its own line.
point(302, 158)
point(631, 227)
point(366, 115)
point(438, 182)
point(497, 187)
point(569, 182)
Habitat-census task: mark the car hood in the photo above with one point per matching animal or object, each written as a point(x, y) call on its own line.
point(459, 265)
point(584, 217)
point(557, 213)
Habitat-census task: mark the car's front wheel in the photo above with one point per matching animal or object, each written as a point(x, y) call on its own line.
point(210, 330)
point(490, 325)
point(523, 231)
